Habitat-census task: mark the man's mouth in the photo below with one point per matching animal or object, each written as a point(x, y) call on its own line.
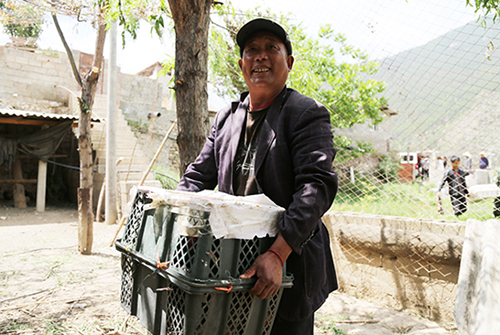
point(261, 70)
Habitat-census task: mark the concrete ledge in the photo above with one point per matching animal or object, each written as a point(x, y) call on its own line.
point(404, 263)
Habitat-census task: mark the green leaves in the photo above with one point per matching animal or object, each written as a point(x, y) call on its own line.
point(486, 7)
point(129, 13)
point(326, 67)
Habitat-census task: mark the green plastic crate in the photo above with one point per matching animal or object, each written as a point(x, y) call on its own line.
point(186, 297)
point(195, 307)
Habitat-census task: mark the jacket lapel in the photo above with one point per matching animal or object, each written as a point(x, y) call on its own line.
point(268, 131)
point(238, 115)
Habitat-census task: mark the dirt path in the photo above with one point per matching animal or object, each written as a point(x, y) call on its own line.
point(47, 287)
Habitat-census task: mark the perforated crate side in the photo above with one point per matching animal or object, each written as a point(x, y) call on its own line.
point(236, 313)
point(127, 298)
point(172, 310)
point(205, 257)
point(134, 220)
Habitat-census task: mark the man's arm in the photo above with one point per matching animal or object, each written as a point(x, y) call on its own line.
point(202, 173)
point(445, 178)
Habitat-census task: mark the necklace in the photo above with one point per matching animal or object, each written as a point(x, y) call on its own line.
point(252, 108)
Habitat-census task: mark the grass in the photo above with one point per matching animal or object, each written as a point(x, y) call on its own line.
point(13, 326)
point(407, 200)
point(167, 178)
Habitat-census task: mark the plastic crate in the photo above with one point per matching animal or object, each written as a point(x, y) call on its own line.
point(155, 233)
point(188, 297)
point(195, 307)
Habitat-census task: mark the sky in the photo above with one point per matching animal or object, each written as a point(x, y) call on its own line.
point(381, 28)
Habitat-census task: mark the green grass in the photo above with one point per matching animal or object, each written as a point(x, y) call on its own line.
point(167, 178)
point(407, 200)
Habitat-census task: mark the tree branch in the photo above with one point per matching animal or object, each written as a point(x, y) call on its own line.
point(68, 51)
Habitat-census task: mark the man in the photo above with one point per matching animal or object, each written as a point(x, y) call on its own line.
point(455, 177)
point(483, 161)
point(279, 142)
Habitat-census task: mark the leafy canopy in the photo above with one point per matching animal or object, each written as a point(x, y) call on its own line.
point(326, 67)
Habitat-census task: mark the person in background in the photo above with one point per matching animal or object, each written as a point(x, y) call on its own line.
point(426, 162)
point(455, 177)
point(483, 161)
point(468, 162)
point(276, 141)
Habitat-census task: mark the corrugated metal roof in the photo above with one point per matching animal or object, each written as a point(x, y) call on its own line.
point(39, 115)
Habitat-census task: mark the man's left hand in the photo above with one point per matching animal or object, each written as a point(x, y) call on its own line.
point(268, 270)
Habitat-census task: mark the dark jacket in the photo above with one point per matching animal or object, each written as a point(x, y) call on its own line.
point(456, 182)
point(294, 169)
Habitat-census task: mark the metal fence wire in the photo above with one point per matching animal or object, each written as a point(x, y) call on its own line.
point(439, 62)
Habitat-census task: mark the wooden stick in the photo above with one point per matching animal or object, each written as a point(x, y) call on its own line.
point(357, 321)
point(66, 301)
point(157, 154)
point(23, 296)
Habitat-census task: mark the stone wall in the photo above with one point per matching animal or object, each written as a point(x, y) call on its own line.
point(404, 263)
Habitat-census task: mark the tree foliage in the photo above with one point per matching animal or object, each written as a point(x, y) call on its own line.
point(486, 7)
point(326, 67)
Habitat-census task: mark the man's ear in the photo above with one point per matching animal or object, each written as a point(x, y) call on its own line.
point(239, 63)
point(289, 62)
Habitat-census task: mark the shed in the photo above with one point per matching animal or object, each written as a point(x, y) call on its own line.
point(29, 141)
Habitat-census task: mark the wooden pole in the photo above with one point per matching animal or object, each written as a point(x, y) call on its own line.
point(41, 186)
point(19, 197)
point(101, 194)
point(100, 201)
point(122, 220)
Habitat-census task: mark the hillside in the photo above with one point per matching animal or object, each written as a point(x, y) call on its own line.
point(447, 92)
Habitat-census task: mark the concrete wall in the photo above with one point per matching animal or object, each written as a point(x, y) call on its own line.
point(32, 78)
point(43, 81)
point(37, 80)
point(403, 263)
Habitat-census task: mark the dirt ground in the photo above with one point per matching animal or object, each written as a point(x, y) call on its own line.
point(48, 287)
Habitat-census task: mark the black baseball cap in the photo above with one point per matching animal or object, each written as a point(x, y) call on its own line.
point(258, 25)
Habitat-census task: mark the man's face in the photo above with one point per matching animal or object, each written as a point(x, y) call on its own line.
point(456, 164)
point(265, 63)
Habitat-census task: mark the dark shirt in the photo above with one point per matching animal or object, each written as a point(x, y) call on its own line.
point(483, 163)
point(456, 181)
point(244, 171)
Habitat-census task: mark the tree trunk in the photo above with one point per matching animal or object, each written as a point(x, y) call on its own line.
point(89, 86)
point(191, 19)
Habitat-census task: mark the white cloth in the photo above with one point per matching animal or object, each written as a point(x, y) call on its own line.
point(241, 217)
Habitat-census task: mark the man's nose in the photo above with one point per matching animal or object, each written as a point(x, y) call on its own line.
point(261, 55)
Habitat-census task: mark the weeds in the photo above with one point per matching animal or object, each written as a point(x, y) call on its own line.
point(408, 200)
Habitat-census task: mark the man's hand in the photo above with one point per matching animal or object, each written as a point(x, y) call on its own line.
point(267, 268)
